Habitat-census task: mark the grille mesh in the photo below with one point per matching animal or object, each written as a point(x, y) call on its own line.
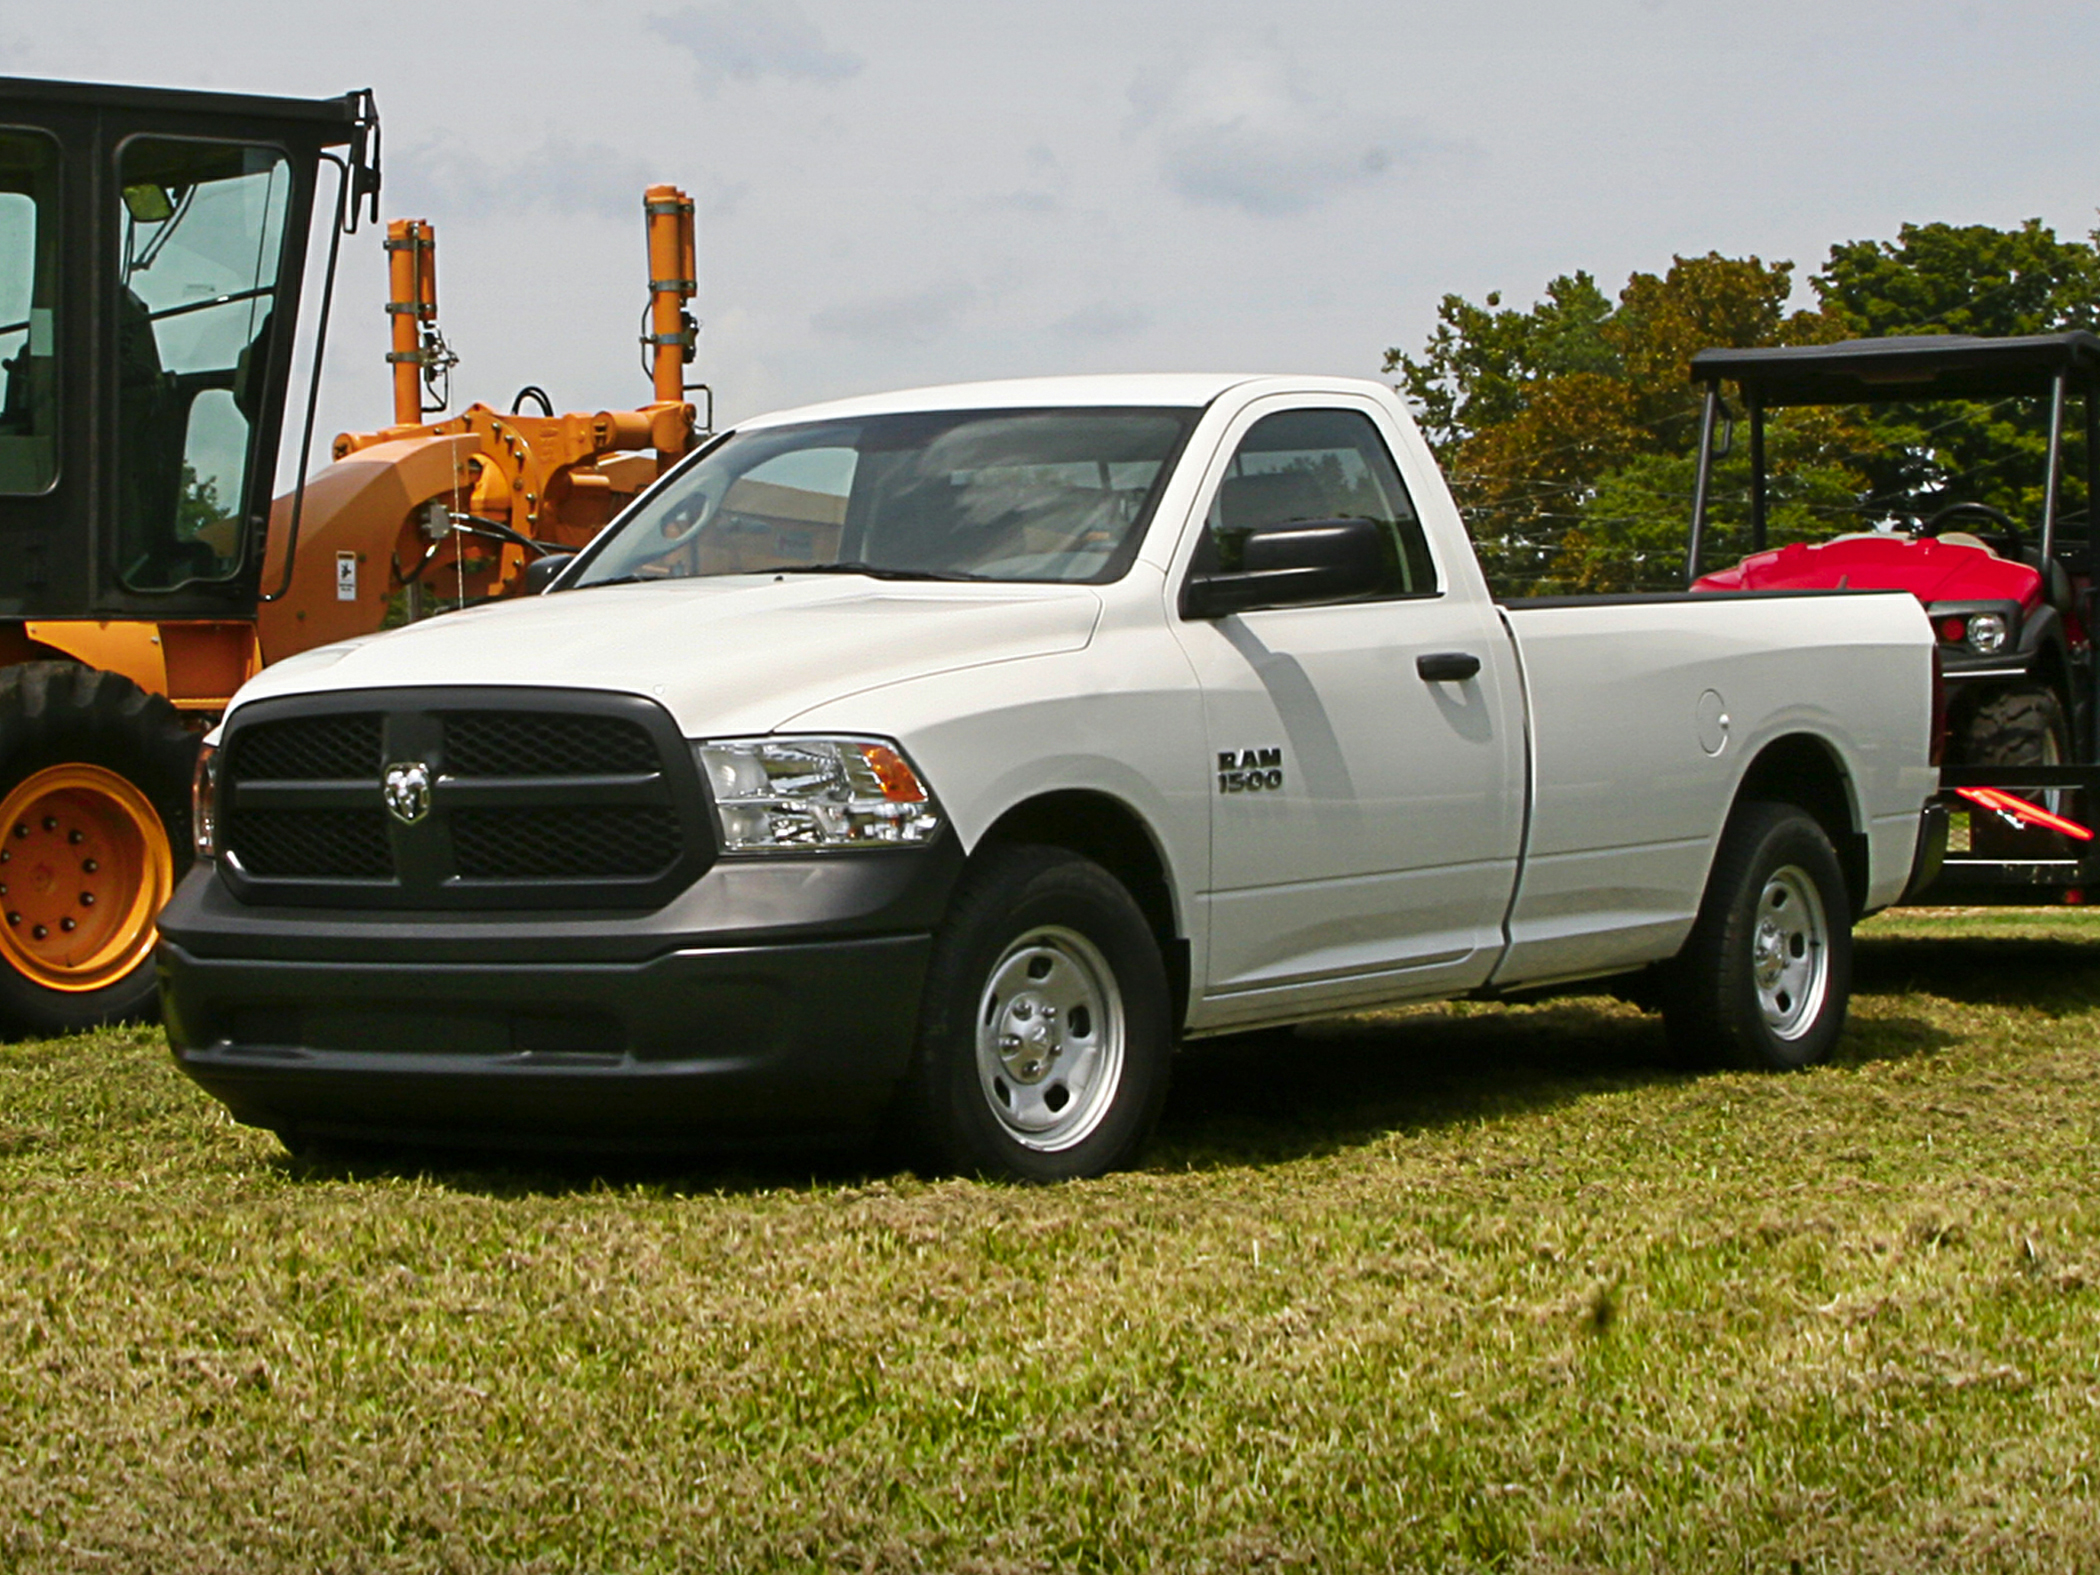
point(321, 844)
point(309, 748)
point(304, 805)
point(545, 744)
point(568, 843)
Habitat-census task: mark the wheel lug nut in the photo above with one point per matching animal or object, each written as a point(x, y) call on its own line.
point(51, 823)
point(13, 919)
point(76, 836)
point(89, 866)
point(68, 925)
point(40, 932)
point(21, 828)
point(87, 899)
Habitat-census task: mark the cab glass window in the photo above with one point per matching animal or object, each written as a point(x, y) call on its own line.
point(1043, 495)
point(201, 228)
point(1317, 465)
point(28, 307)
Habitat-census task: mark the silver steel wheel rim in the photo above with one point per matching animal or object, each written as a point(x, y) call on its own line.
point(1050, 1039)
point(1790, 952)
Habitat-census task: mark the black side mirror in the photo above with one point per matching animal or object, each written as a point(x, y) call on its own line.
point(540, 573)
point(1288, 565)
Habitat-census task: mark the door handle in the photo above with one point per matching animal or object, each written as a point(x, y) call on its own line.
point(1446, 667)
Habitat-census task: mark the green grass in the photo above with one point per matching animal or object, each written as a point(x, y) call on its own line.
point(1452, 1288)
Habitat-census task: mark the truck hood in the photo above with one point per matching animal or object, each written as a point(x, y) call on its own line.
point(727, 655)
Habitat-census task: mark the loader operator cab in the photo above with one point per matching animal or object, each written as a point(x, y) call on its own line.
point(152, 244)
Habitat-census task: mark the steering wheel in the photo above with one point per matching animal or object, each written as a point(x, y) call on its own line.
point(2001, 523)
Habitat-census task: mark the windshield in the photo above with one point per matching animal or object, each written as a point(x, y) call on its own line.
point(1052, 495)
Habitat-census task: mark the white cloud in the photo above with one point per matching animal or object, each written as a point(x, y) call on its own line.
point(444, 178)
point(1247, 129)
point(1103, 321)
point(917, 317)
point(743, 40)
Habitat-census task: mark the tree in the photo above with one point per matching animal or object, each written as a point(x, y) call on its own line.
point(1569, 429)
point(1531, 411)
point(1964, 279)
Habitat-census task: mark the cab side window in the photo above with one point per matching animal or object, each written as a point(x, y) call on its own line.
point(28, 292)
point(1318, 465)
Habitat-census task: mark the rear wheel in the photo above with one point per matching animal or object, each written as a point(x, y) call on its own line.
point(94, 831)
point(1044, 1039)
point(1767, 973)
point(2016, 727)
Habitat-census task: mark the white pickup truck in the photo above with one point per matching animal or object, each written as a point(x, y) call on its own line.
point(936, 762)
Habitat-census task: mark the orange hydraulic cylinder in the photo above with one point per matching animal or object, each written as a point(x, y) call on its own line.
point(672, 281)
point(411, 246)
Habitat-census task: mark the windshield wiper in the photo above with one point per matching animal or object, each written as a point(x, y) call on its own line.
point(874, 571)
point(623, 579)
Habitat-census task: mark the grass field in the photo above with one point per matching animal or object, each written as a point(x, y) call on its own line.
point(1450, 1288)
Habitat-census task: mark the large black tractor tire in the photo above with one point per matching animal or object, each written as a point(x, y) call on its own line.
point(94, 832)
point(1044, 1039)
point(2015, 727)
point(1764, 980)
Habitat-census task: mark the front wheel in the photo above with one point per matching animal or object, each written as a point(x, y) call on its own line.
point(1044, 1038)
point(94, 832)
point(1766, 976)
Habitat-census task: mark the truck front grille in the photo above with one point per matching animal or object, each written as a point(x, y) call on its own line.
point(447, 799)
point(315, 844)
point(536, 744)
point(564, 844)
point(311, 747)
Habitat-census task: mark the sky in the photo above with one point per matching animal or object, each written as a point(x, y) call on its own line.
point(901, 192)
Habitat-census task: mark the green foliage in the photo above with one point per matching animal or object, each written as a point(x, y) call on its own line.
point(1481, 361)
point(1962, 279)
point(1965, 279)
point(1569, 429)
point(199, 504)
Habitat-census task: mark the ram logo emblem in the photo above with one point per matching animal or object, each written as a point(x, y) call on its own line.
point(1250, 770)
point(407, 790)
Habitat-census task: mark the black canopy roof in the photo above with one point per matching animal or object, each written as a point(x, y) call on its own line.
point(332, 114)
point(1914, 367)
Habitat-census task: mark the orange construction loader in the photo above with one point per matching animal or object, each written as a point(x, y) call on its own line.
point(152, 249)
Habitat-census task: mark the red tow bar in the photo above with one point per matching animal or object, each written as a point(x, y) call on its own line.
point(2021, 813)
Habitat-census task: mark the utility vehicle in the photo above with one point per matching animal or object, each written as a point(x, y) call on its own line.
point(2011, 600)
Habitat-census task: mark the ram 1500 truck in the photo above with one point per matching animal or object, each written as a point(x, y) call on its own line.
point(934, 763)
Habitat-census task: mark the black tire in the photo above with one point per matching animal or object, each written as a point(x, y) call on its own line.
point(63, 714)
point(1001, 1084)
point(1766, 975)
point(2015, 727)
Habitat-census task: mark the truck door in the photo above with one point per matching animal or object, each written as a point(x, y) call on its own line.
point(1365, 817)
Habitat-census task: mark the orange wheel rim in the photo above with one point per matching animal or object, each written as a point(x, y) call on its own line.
point(84, 869)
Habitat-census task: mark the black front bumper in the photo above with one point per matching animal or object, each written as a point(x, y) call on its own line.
point(768, 998)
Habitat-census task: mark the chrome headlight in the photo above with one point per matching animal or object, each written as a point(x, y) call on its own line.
point(1987, 633)
point(204, 802)
point(794, 794)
